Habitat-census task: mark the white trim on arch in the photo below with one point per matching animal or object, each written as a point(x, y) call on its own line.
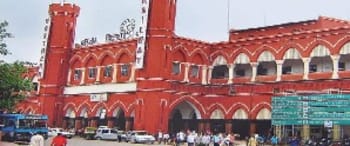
point(266, 56)
point(240, 114)
point(217, 114)
point(263, 114)
point(320, 51)
point(292, 53)
point(242, 59)
point(345, 49)
point(220, 60)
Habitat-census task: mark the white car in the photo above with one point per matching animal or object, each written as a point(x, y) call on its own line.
point(106, 134)
point(141, 137)
point(54, 131)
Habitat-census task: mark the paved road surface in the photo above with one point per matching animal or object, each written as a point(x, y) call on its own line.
point(77, 141)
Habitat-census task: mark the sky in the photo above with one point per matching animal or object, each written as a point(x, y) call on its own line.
point(207, 20)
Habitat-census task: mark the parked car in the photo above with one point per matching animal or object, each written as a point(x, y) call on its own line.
point(106, 134)
point(141, 136)
point(54, 131)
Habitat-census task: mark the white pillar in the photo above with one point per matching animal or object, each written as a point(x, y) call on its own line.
point(132, 75)
point(254, 66)
point(335, 59)
point(82, 80)
point(187, 68)
point(210, 70)
point(230, 73)
point(306, 68)
point(115, 73)
point(98, 74)
point(204, 74)
point(279, 64)
point(69, 76)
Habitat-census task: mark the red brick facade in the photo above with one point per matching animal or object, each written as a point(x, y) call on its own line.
point(211, 86)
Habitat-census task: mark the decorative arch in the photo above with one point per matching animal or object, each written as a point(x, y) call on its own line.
point(240, 114)
point(75, 58)
point(118, 104)
point(106, 58)
point(217, 114)
point(197, 59)
point(124, 58)
point(291, 53)
point(258, 107)
point(221, 53)
point(70, 113)
point(241, 58)
point(266, 56)
point(192, 101)
point(345, 49)
point(202, 54)
point(264, 114)
point(84, 111)
point(90, 60)
point(320, 51)
point(315, 44)
point(179, 55)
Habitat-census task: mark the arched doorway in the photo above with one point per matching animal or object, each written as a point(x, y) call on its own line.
point(84, 117)
point(101, 117)
point(184, 117)
point(70, 118)
point(263, 122)
point(241, 123)
point(119, 119)
point(217, 121)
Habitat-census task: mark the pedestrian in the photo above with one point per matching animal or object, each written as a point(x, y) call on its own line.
point(274, 140)
point(59, 140)
point(217, 138)
point(37, 140)
point(252, 141)
point(160, 137)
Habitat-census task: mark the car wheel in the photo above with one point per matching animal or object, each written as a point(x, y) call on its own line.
point(98, 138)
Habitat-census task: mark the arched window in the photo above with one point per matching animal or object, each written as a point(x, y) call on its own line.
point(220, 69)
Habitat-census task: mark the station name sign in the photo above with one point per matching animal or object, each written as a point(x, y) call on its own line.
point(141, 43)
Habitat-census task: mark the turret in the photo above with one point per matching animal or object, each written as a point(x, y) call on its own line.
point(59, 46)
point(160, 30)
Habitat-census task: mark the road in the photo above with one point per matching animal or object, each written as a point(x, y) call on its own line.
point(77, 141)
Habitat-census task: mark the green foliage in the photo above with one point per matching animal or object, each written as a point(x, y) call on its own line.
point(4, 34)
point(12, 85)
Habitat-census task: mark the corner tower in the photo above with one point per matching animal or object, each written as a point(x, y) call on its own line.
point(160, 31)
point(59, 47)
point(150, 78)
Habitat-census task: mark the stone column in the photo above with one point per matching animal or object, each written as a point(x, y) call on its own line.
point(132, 75)
point(110, 122)
point(187, 68)
point(82, 80)
point(335, 59)
point(228, 126)
point(210, 70)
point(69, 77)
point(306, 68)
point(115, 73)
point(98, 74)
point(254, 66)
point(279, 64)
point(204, 74)
point(230, 73)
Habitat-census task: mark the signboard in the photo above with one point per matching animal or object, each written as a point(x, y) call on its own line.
point(98, 97)
point(324, 109)
point(44, 47)
point(141, 43)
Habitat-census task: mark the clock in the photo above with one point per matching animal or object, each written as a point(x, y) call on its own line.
point(127, 26)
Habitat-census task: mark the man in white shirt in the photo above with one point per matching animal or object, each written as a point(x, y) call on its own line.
point(37, 140)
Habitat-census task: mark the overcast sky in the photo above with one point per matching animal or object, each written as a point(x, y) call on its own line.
point(206, 20)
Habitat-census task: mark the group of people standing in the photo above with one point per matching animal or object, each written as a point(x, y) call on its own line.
point(38, 140)
point(192, 138)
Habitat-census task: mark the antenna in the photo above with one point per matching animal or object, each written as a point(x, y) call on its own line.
point(228, 16)
point(62, 2)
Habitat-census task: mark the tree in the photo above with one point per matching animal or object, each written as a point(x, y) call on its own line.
point(12, 85)
point(4, 34)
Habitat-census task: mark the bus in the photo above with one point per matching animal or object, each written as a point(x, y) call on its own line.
point(20, 127)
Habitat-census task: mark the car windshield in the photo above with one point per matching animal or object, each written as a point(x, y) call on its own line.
point(141, 133)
